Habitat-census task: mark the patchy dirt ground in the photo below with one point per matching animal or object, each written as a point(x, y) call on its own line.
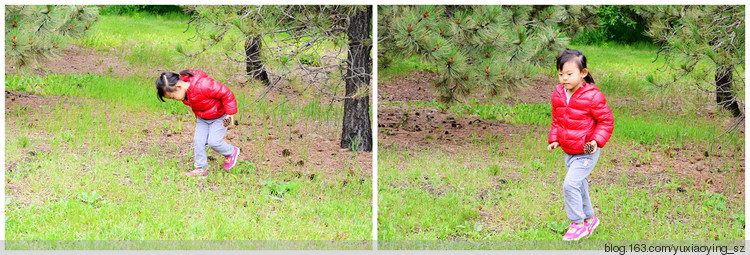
point(539, 91)
point(430, 127)
point(306, 146)
point(706, 169)
point(279, 151)
point(310, 145)
point(80, 60)
point(417, 85)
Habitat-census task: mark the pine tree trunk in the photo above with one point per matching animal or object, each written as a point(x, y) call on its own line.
point(254, 66)
point(724, 95)
point(356, 126)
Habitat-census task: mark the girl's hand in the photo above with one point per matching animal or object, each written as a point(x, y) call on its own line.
point(592, 146)
point(228, 120)
point(552, 146)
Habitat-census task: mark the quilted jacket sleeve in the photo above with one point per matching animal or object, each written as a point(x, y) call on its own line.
point(605, 122)
point(224, 94)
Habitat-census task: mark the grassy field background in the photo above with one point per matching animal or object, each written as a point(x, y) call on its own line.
point(96, 156)
point(508, 187)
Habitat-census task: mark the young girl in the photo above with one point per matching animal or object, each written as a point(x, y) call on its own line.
point(214, 107)
point(582, 123)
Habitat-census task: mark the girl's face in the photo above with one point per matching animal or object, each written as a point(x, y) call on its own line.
point(178, 94)
point(570, 76)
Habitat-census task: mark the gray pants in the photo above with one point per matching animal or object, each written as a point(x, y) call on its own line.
point(209, 132)
point(576, 185)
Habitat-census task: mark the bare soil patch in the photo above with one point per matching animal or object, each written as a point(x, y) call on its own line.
point(431, 127)
point(300, 150)
point(708, 169)
point(419, 85)
point(415, 86)
point(81, 60)
point(538, 92)
point(306, 147)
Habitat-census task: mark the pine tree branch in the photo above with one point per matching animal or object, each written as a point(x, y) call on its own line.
point(682, 74)
point(734, 126)
point(213, 42)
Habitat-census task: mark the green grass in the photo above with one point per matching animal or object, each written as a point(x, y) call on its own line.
point(402, 68)
point(144, 39)
point(509, 187)
point(151, 41)
point(131, 91)
point(85, 137)
point(91, 161)
point(143, 202)
point(435, 195)
point(119, 31)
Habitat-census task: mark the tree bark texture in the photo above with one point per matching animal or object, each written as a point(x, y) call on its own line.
point(724, 94)
point(357, 130)
point(254, 66)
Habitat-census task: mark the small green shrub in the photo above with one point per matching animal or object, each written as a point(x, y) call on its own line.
point(280, 189)
point(89, 198)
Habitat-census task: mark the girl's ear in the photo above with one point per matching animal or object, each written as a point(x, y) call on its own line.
point(584, 73)
point(180, 84)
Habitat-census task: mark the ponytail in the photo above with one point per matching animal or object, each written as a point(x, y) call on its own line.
point(185, 75)
point(589, 79)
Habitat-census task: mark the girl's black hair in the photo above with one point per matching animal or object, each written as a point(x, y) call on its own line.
point(580, 60)
point(167, 81)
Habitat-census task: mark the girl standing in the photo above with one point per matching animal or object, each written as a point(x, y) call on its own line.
point(582, 123)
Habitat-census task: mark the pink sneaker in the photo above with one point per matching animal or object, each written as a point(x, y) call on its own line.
point(198, 172)
point(576, 232)
point(592, 224)
point(232, 160)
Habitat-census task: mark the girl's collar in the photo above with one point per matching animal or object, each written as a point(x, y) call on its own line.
point(583, 85)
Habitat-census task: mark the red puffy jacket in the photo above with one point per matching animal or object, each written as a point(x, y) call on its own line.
point(207, 97)
point(587, 117)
